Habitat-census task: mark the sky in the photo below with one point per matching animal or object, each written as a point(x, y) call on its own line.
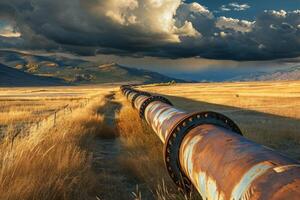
point(253, 8)
point(170, 36)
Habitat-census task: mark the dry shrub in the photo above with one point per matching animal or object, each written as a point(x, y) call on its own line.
point(143, 157)
point(51, 162)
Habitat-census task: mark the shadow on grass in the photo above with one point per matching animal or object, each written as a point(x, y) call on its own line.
point(278, 132)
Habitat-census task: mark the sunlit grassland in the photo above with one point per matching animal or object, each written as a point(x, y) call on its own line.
point(27, 105)
point(266, 112)
point(49, 160)
point(279, 98)
point(46, 135)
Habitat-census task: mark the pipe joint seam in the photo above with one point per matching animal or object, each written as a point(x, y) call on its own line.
point(150, 100)
point(138, 94)
point(176, 136)
point(129, 92)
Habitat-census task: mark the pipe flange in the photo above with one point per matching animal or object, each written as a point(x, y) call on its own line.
point(150, 100)
point(130, 91)
point(178, 132)
point(138, 94)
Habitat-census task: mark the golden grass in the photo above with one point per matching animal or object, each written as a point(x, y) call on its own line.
point(52, 161)
point(143, 155)
point(279, 98)
point(141, 143)
point(28, 105)
point(43, 158)
point(266, 112)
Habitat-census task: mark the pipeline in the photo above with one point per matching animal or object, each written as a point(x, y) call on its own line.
point(207, 152)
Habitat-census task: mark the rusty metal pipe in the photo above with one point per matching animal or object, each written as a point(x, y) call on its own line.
point(206, 150)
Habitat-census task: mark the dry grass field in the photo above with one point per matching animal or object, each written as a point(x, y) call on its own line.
point(88, 143)
point(28, 105)
point(44, 155)
point(266, 112)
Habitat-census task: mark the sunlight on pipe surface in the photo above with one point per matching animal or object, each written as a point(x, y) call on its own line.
point(207, 151)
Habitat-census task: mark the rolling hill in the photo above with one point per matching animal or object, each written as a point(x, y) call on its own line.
point(14, 77)
point(115, 71)
point(288, 74)
point(78, 71)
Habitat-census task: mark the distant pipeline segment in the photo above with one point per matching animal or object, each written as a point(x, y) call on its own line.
point(207, 152)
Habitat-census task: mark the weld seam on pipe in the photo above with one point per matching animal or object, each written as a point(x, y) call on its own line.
point(150, 100)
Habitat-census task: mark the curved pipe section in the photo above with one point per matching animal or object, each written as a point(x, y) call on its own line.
point(206, 151)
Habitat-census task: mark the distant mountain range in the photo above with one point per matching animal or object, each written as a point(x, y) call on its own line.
point(292, 73)
point(24, 69)
point(63, 70)
point(14, 77)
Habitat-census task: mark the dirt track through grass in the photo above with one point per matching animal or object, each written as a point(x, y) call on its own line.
point(114, 182)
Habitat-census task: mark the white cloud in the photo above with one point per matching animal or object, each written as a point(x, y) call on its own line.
point(196, 7)
point(150, 16)
point(120, 10)
point(296, 12)
point(239, 7)
point(281, 13)
point(234, 24)
point(225, 8)
point(235, 7)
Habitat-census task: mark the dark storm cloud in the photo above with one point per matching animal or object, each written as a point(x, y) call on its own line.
point(162, 28)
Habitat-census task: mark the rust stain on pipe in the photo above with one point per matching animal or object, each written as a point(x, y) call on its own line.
point(225, 165)
point(161, 117)
point(207, 151)
point(139, 101)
